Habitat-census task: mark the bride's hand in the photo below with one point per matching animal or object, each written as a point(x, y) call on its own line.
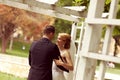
point(60, 61)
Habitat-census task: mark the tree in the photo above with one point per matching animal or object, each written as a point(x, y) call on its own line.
point(7, 24)
point(12, 18)
point(62, 26)
point(32, 24)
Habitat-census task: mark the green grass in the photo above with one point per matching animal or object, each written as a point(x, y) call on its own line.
point(5, 76)
point(115, 70)
point(17, 49)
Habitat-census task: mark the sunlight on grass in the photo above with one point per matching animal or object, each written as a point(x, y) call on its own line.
point(17, 49)
point(17, 53)
point(115, 70)
point(5, 76)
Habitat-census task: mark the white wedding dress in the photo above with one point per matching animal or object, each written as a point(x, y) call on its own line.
point(58, 74)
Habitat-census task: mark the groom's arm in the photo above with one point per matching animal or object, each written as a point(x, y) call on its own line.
point(60, 64)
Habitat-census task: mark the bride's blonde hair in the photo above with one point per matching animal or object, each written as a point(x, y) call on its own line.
point(67, 39)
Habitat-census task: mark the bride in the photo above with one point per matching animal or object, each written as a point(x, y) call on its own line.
point(63, 42)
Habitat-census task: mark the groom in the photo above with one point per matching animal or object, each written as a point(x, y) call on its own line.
point(42, 53)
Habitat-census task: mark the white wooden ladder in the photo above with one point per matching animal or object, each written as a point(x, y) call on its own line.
point(78, 41)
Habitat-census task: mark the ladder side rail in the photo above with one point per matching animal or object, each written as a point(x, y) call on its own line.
point(73, 32)
point(82, 29)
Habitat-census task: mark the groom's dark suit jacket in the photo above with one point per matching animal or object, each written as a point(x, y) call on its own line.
point(41, 56)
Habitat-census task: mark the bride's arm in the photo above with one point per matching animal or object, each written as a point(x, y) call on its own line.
point(68, 64)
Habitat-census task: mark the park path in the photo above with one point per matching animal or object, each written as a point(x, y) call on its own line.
point(14, 65)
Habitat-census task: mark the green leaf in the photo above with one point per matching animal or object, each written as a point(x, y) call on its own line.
point(108, 2)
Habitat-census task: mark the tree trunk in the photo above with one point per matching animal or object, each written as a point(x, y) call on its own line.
point(4, 45)
point(11, 42)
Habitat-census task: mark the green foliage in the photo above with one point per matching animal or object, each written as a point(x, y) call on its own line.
point(118, 13)
point(116, 30)
point(59, 23)
point(62, 26)
point(81, 2)
point(103, 31)
point(64, 3)
point(107, 5)
point(107, 1)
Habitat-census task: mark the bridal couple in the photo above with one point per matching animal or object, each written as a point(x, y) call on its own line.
point(49, 61)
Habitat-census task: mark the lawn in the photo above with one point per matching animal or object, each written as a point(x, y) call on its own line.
point(18, 51)
point(5, 76)
point(115, 70)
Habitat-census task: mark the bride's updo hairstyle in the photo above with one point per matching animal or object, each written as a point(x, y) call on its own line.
point(67, 38)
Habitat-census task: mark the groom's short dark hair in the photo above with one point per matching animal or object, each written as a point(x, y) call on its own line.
point(48, 29)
